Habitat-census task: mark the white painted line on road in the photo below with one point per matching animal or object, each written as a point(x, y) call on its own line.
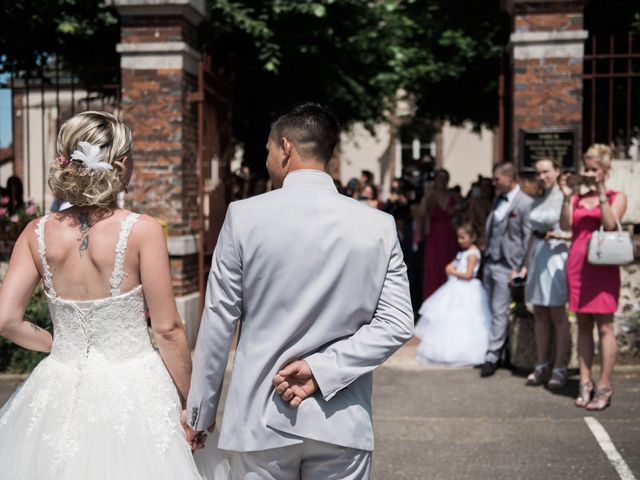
point(609, 449)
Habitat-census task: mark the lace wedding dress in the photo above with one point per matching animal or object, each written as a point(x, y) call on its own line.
point(102, 405)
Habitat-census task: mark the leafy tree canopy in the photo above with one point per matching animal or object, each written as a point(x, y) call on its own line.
point(359, 57)
point(81, 34)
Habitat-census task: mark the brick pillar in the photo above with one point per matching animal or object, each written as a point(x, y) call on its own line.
point(159, 64)
point(547, 51)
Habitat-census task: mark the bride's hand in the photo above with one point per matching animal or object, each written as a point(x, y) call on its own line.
point(195, 439)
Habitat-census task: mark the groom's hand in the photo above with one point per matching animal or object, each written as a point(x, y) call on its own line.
point(195, 439)
point(295, 382)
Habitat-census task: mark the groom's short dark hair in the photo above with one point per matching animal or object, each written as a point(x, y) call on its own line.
point(311, 127)
point(506, 168)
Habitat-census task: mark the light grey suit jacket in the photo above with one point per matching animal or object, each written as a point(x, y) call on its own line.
point(312, 274)
point(515, 233)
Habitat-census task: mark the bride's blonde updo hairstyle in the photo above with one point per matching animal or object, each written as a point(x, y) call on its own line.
point(73, 181)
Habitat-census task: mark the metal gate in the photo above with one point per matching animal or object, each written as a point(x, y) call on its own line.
point(612, 92)
point(215, 149)
point(40, 102)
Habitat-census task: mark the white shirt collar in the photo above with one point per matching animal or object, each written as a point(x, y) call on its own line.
point(512, 194)
point(309, 177)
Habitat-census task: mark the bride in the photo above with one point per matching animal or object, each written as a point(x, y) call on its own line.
point(104, 404)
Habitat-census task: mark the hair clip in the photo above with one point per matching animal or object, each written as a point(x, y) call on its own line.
point(90, 157)
point(62, 160)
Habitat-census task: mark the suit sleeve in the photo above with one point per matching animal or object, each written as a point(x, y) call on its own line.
point(222, 311)
point(525, 231)
point(391, 326)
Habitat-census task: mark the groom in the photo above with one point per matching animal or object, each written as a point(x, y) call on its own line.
point(319, 287)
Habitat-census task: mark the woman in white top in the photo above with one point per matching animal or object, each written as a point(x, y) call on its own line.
point(546, 285)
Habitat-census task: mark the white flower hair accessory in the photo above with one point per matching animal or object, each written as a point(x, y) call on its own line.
point(90, 157)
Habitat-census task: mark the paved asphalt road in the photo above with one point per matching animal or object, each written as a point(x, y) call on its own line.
point(433, 423)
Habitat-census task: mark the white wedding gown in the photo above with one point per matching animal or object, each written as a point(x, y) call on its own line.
point(102, 405)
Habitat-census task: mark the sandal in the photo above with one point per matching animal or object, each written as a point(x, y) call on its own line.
point(601, 400)
point(586, 391)
point(558, 378)
point(539, 374)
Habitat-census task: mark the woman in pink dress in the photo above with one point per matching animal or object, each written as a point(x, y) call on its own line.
point(440, 242)
point(593, 289)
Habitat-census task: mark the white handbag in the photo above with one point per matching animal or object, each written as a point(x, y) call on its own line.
point(611, 247)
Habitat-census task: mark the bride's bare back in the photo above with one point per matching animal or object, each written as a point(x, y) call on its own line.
point(81, 250)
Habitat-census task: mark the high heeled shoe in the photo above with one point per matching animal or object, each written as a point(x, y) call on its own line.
point(539, 374)
point(601, 400)
point(558, 378)
point(584, 397)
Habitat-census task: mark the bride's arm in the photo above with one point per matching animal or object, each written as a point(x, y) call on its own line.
point(166, 323)
point(17, 288)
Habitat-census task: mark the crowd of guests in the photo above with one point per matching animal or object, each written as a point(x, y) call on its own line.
point(467, 256)
point(510, 232)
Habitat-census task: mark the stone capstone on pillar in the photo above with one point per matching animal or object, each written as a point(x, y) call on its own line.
point(541, 45)
point(193, 11)
point(159, 56)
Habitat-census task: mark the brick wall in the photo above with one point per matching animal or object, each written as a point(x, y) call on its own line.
point(548, 22)
point(155, 104)
point(184, 271)
point(547, 67)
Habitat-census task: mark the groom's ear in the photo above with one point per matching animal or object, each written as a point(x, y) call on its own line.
point(286, 148)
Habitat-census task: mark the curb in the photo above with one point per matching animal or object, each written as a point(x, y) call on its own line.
point(10, 377)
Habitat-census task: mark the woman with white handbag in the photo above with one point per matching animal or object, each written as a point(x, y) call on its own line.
point(598, 249)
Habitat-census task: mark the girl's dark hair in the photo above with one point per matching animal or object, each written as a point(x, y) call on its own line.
point(15, 192)
point(470, 229)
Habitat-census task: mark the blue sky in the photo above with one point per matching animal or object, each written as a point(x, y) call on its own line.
point(5, 117)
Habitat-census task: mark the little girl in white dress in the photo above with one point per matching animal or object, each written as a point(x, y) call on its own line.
point(455, 321)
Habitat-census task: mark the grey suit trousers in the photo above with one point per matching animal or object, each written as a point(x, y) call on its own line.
point(496, 282)
point(309, 460)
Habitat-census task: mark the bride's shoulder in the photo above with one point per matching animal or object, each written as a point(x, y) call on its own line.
point(146, 227)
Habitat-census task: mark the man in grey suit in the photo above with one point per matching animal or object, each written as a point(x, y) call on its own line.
point(318, 284)
point(508, 230)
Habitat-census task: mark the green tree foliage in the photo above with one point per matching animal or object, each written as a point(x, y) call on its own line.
point(455, 63)
point(355, 56)
point(81, 34)
point(612, 17)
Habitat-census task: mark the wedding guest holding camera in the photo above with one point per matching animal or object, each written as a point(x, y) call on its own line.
point(546, 285)
point(593, 289)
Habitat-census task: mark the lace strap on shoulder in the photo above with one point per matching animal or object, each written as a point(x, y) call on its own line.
point(121, 248)
point(42, 250)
